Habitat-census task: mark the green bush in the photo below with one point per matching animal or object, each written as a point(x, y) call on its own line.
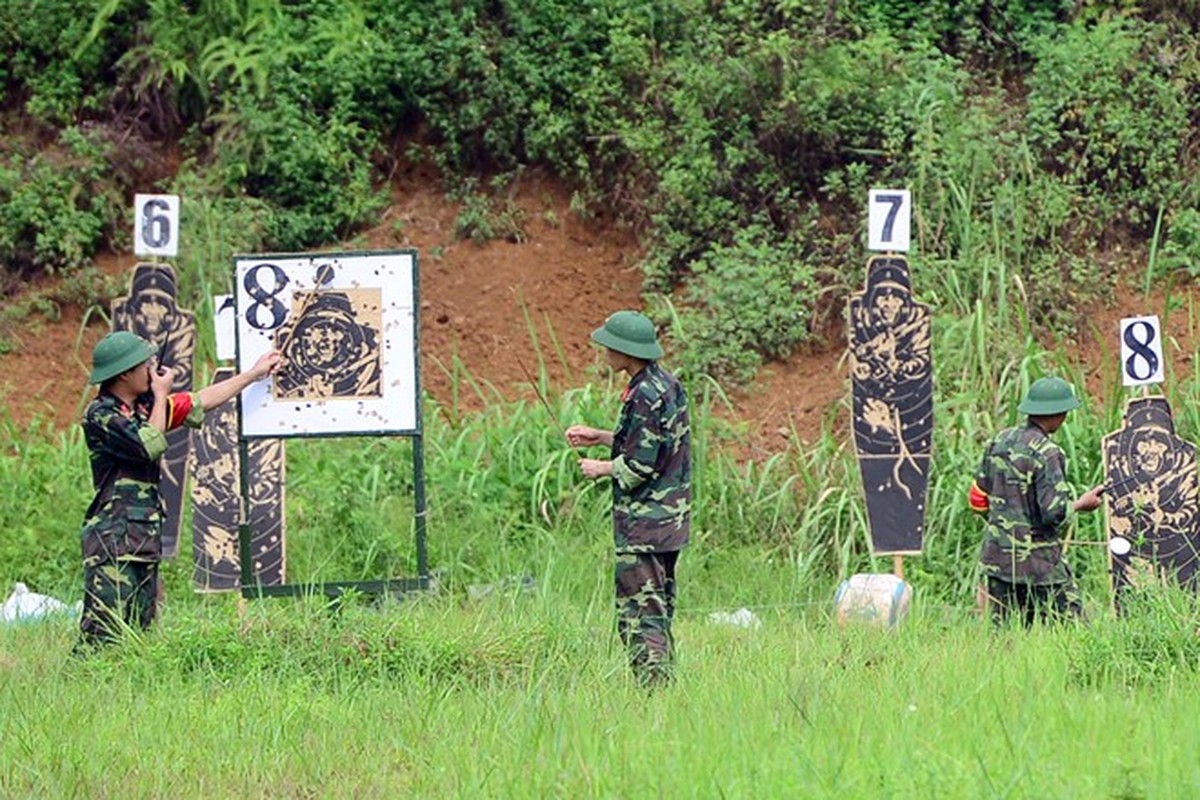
point(746, 301)
point(1181, 250)
point(57, 206)
point(1108, 116)
point(52, 64)
point(310, 168)
point(964, 27)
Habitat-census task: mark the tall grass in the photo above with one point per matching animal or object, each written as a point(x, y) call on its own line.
point(506, 497)
point(528, 696)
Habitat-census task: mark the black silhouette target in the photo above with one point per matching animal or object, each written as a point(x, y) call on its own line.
point(216, 504)
point(891, 373)
point(150, 310)
point(1152, 500)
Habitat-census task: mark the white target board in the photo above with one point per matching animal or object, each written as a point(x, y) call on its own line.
point(889, 220)
point(346, 324)
point(156, 225)
point(1141, 351)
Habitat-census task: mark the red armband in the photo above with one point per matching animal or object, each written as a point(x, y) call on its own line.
point(978, 498)
point(179, 405)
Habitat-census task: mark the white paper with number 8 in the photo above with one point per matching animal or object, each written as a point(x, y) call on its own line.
point(1141, 351)
point(346, 324)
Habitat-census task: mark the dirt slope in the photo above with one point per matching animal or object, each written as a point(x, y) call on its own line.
point(567, 273)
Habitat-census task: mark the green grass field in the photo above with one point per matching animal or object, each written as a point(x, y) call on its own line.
point(526, 695)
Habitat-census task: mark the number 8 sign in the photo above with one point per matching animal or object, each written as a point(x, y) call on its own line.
point(1141, 351)
point(156, 224)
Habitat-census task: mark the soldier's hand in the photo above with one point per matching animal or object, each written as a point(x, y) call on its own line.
point(595, 468)
point(1089, 500)
point(161, 379)
point(267, 363)
point(583, 436)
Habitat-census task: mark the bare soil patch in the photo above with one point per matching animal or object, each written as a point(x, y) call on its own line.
point(482, 305)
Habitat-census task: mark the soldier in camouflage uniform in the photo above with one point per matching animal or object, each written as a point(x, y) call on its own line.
point(651, 473)
point(125, 429)
point(1021, 486)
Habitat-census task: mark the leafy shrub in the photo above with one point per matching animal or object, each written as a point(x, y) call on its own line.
point(746, 301)
point(868, 98)
point(482, 217)
point(1107, 116)
point(309, 167)
point(57, 206)
point(52, 63)
point(1181, 250)
point(964, 27)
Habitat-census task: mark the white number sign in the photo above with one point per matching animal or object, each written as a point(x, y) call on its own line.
point(889, 218)
point(1141, 351)
point(156, 224)
point(224, 317)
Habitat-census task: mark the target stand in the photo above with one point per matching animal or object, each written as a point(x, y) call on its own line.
point(347, 324)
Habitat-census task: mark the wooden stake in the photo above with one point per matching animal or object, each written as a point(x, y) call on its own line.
point(898, 566)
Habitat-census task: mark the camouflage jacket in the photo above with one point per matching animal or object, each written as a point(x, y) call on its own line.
point(125, 517)
point(1022, 488)
point(652, 467)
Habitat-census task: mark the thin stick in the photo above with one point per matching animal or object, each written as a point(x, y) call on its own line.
point(1108, 487)
point(545, 403)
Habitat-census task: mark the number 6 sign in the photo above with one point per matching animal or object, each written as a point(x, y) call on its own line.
point(889, 217)
point(156, 224)
point(1141, 351)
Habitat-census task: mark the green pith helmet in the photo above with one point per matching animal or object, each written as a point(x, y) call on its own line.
point(1047, 397)
point(117, 352)
point(630, 333)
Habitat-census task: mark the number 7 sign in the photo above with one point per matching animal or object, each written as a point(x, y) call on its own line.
point(156, 225)
point(889, 217)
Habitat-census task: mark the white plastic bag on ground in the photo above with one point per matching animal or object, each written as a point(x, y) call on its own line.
point(742, 618)
point(24, 606)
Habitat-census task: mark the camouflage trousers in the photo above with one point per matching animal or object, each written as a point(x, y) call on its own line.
point(117, 595)
point(1052, 602)
point(645, 584)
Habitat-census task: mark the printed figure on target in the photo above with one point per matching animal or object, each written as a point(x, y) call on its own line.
point(1152, 500)
point(331, 350)
point(891, 371)
point(151, 311)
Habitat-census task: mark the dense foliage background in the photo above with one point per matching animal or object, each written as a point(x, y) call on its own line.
point(740, 137)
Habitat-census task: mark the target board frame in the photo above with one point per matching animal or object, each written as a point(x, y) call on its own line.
point(347, 325)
